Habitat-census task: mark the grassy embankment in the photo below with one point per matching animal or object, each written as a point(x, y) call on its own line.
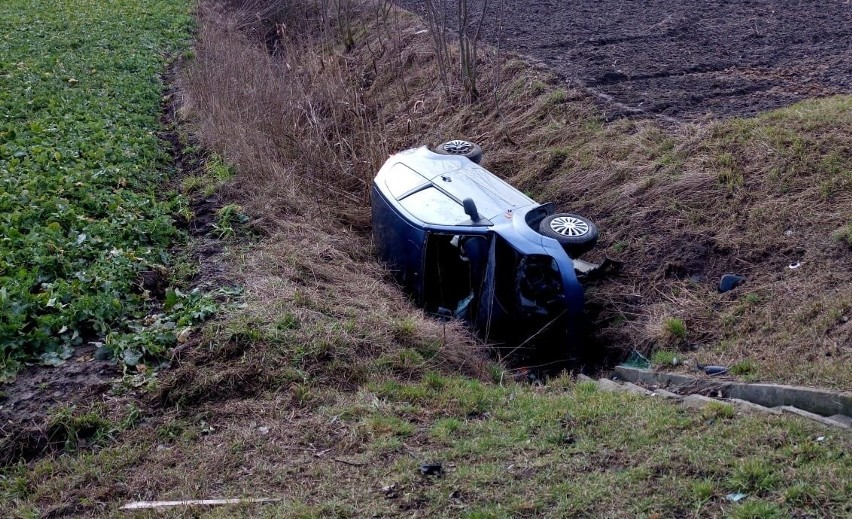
point(328, 389)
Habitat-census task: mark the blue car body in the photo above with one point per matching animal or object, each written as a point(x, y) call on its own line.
point(497, 271)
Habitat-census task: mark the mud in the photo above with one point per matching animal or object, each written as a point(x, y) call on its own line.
point(36, 388)
point(683, 59)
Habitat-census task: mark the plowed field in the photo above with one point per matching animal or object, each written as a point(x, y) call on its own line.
point(683, 59)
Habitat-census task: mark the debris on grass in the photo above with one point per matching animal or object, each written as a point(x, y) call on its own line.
point(711, 369)
point(156, 505)
point(432, 469)
point(729, 281)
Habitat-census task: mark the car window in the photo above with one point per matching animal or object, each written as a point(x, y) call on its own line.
point(435, 207)
point(401, 179)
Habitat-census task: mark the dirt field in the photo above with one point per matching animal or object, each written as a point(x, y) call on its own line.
point(685, 59)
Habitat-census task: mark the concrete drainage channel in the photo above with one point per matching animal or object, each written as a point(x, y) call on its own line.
point(831, 408)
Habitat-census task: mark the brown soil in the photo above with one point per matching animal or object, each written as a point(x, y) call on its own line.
point(38, 390)
point(685, 59)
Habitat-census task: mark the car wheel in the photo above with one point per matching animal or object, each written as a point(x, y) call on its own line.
point(575, 233)
point(459, 147)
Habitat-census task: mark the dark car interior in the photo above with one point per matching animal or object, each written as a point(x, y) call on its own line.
point(454, 270)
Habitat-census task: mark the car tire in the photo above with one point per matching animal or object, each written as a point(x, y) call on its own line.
point(460, 147)
point(574, 232)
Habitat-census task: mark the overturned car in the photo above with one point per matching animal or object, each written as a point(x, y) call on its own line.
point(466, 244)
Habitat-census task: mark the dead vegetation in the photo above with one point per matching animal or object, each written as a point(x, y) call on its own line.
point(680, 206)
point(302, 143)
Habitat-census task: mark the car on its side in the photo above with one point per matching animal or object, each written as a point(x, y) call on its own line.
point(466, 244)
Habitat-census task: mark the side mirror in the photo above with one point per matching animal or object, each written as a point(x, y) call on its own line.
point(470, 209)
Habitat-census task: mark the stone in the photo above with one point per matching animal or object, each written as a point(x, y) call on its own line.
point(729, 281)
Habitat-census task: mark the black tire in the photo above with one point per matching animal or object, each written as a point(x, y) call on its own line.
point(574, 232)
point(459, 147)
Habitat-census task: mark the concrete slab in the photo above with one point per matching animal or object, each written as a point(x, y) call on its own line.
point(813, 416)
point(819, 401)
point(842, 418)
point(605, 384)
point(678, 381)
point(745, 405)
point(666, 394)
point(633, 388)
point(697, 401)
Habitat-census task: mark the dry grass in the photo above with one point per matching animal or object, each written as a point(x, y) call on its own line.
point(302, 143)
point(681, 206)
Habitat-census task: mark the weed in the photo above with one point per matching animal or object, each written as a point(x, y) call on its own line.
point(556, 97)
point(702, 491)
point(718, 410)
point(434, 381)
point(217, 168)
point(69, 427)
point(619, 247)
point(496, 372)
point(674, 328)
point(445, 428)
point(536, 87)
point(385, 425)
point(302, 394)
point(176, 430)
point(752, 299)
point(753, 475)
point(405, 328)
point(287, 322)
point(228, 217)
point(133, 417)
point(844, 234)
point(743, 367)
point(758, 510)
point(586, 388)
point(191, 183)
point(665, 358)
point(800, 494)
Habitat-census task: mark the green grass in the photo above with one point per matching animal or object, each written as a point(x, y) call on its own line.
point(674, 328)
point(509, 451)
point(80, 168)
point(744, 367)
point(665, 358)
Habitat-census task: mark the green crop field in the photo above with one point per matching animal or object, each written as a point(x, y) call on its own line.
point(81, 167)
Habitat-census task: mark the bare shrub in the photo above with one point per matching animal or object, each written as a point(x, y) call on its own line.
point(470, 16)
point(287, 119)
